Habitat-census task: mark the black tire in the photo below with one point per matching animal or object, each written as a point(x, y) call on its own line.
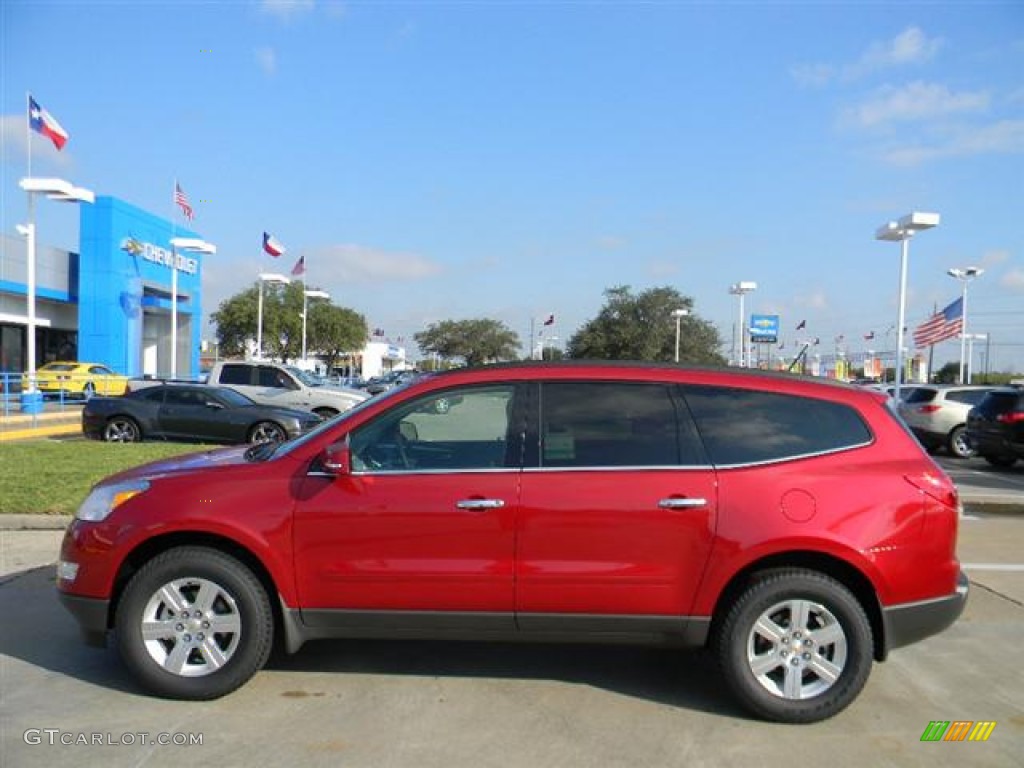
point(326, 413)
point(792, 679)
point(1000, 460)
point(442, 405)
point(211, 664)
point(267, 432)
point(958, 443)
point(122, 429)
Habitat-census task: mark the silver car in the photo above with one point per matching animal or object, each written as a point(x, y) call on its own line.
point(937, 415)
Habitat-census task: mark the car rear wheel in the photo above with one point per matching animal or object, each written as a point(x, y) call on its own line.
point(194, 623)
point(795, 646)
point(121, 429)
point(959, 444)
point(267, 432)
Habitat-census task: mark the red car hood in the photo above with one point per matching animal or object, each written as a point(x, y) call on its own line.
point(221, 457)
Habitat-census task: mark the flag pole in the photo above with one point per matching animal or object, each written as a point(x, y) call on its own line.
point(28, 131)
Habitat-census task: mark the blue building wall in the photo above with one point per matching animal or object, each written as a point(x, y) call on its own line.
point(125, 277)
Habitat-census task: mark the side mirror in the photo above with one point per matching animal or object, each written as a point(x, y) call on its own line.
point(336, 459)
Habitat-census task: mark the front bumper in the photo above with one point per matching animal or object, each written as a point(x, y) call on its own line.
point(908, 623)
point(91, 614)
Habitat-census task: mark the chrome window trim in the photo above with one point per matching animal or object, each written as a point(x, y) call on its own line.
point(796, 457)
point(475, 471)
point(625, 468)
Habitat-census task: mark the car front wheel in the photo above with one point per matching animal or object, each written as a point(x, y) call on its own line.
point(795, 646)
point(194, 623)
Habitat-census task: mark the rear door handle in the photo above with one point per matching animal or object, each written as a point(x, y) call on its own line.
point(682, 503)
point(478, 505)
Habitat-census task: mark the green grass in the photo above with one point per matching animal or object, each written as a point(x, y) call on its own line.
point(52, 478)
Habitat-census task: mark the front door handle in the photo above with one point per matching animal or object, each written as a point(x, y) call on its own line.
point(478, 505)
point(682, 503)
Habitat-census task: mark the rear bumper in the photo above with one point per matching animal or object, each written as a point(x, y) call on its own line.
point(908, 623)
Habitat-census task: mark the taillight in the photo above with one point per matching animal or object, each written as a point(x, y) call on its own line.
point(928, 408)
point(936, 485)
point(1013, 417)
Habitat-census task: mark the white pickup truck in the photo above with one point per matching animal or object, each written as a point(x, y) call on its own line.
point(275, 384)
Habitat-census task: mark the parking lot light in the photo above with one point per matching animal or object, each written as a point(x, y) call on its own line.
point(265, 277)
point(901, 231)
point(679, 314)
point(964, 276)
point(64, 192)
point(741, 289)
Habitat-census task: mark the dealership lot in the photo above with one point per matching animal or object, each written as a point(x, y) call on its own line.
point(364, 703)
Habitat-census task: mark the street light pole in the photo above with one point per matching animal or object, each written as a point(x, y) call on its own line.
point(54, 189)
point(679, 314)
point(305, 311)
point(189, 245)
point(265, 278)
point(741, 289)
point(964, 276)
point(902, 231)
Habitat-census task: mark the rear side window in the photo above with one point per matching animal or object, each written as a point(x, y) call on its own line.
point(611, 424)
point(235, 374)
point(1001, 402)
point(968, 396)
point(920, 395)
point(741, 426)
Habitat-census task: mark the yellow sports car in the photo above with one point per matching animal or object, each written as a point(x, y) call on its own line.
point(70, 378)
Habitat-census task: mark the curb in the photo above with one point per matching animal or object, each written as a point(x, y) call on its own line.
point(29, 522)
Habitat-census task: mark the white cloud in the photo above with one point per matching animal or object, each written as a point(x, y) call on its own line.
point(610, 243)
point(812, 75)
point(1005, 137)
point(994, 258)
point(1014, 280)
point(915, 101)
point(911, 46)
point(359, 264)
point(267, 59)
point(286, 10)
point(15, 142)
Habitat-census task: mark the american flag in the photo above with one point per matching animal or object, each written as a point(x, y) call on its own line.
point(182, 200)
point(300, 266)
point(947, 324)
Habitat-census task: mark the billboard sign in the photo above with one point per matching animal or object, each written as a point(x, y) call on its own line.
point(764, 329)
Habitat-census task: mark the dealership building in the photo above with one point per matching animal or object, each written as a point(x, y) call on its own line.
point(112, 302)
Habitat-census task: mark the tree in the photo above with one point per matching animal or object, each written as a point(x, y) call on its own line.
point(947, 374)
point(475, 341)
point(335, 331)
point(326, 331)
point(641, 327)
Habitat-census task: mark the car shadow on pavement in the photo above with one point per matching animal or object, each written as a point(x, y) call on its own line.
point(686, 679)
point(45, 635)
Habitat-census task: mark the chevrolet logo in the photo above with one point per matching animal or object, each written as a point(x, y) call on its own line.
point(132, 246)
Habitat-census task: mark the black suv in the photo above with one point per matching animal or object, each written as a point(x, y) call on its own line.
point(995, 426)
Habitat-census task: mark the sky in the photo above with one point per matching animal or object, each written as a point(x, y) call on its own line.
point(452, 160)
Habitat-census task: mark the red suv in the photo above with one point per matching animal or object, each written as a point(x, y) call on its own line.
point(794, 527)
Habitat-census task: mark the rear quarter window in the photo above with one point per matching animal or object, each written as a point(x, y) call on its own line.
point(235, 374)
point(741, 426)
point(920, 395)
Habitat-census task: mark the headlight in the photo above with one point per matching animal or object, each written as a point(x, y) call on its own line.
point(105, 499)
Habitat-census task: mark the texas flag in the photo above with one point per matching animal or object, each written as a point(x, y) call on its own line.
point(272, 245)
point(43, 122)
point(550, 320)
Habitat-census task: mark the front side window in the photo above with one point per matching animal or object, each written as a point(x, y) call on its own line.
point(611, 424)
point(462, 429)
point(275, 378)
point(740, 426)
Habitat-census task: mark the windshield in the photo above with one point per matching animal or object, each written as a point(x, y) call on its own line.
point(283, 449)
point(231, 397)
point(306, 378)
